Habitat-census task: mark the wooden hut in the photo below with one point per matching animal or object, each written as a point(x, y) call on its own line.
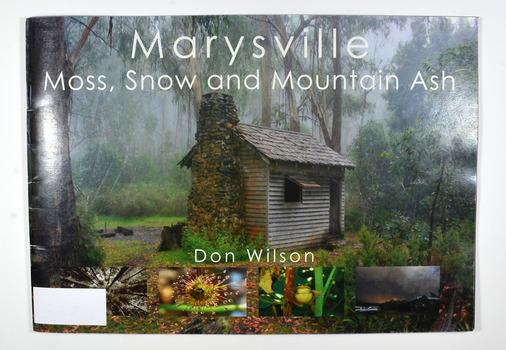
point(293, 186)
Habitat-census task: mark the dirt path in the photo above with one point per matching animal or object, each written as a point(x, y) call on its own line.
point(148, 234)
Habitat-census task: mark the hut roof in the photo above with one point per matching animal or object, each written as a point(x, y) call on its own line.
point(290, 146)
point(286, 146)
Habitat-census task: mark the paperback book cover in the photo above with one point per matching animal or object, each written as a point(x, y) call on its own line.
point(273, 174)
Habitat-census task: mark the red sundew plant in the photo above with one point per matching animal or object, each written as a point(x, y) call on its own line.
point(202, 291)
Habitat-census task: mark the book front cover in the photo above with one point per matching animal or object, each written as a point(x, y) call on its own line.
point(252, 174)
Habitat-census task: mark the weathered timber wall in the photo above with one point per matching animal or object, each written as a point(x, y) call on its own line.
point(255, 179)
point(216, 192)
point(298, 225)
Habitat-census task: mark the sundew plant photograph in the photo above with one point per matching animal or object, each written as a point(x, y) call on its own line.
point(202, 291)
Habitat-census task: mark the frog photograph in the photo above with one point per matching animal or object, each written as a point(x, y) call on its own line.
point(301, 291)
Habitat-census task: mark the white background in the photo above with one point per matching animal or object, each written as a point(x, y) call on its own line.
point(15, 312)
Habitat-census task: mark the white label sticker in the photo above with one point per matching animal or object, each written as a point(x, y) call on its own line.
point(70, 306)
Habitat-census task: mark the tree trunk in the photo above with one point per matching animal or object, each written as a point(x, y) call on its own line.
point(163, 135)
point(338, 93)
point(361, 154)
point(288, 65)
point(179, 127)
point(433, 207)
point(266, 73)
point(195, 67)
point(53, 220)
point(292, 103)
point(171, 237)
point(278, 25)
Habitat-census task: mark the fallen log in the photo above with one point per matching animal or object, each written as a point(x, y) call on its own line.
point(124, 231)
point(107, 234)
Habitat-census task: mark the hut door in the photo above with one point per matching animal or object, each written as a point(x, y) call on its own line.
point(334, 208)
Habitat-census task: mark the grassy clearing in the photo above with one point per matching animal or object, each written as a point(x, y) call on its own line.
point(141, 253)
point(128, 253)
point(173, 258)
point(153, 221)
point(135, 253)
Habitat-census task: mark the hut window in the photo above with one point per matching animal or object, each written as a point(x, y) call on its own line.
point(293, 191)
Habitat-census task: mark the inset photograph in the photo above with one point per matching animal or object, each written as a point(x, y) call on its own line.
point(397, 289)
point(126, 287)
point(202, 291)
point(301, 291)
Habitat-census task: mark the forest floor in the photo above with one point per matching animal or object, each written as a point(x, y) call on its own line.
point(135, 250)
point(140, 249)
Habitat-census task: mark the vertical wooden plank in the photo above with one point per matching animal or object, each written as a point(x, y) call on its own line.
point(302, 224)
point(254, 173)
point(334, 212)
point(342, 195)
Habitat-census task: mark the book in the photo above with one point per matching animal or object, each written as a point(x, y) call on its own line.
point(252, 174)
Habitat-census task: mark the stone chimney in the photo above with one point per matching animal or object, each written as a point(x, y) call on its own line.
point(216, 193)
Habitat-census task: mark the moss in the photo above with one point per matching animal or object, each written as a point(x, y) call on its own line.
point(216, 195)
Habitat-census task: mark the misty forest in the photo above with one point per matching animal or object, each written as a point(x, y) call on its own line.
point(410, 200)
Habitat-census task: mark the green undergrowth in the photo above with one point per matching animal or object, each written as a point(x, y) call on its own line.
point(127, 253)
point(173, 258)
point(220, 242)
point(136, 252)
point(140, 253)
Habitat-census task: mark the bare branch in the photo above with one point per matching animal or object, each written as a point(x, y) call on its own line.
point(80, 44)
